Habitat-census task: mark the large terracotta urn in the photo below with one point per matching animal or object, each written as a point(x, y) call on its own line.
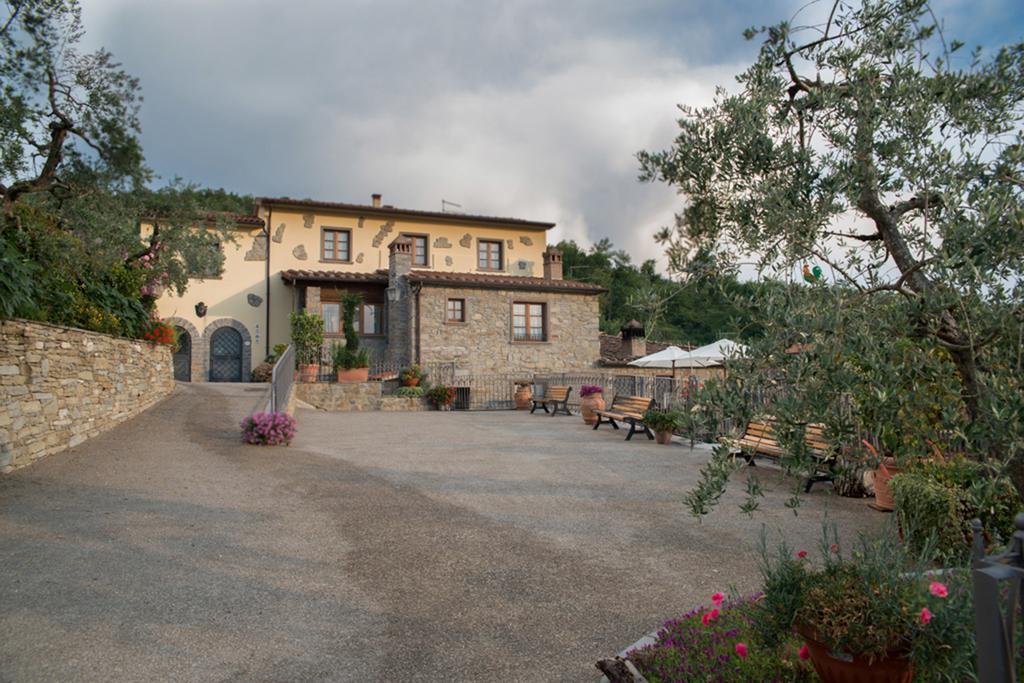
point(852, 668)
point(887, 469)
point(354, 375)
point(308, 373)
point(523, 396)
point(590, 403)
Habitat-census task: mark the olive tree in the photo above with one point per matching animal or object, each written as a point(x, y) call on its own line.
point(871, 145)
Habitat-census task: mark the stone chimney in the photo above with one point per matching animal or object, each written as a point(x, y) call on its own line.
point(376, 200)
point(400, 304)
point(634, 341)
point(552, 264)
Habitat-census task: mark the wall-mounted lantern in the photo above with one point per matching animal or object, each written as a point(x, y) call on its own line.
point(201, 309)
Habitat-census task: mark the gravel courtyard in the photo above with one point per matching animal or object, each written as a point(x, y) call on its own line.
point(378, 547)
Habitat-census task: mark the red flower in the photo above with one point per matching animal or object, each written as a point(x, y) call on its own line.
point(834, 547)
point(804, 653)
point(801, 554)
point(938, 589)
point(926, 616)
point(741, 650)
point(718, 599)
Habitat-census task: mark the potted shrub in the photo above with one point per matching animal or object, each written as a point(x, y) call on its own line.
point(878, 615)
point(350, 366)
point(441, 396)
point(591, 399)
point(355, 361)
point(663, 423)
point(308, 336)
point(411, 376)
point(524, 394)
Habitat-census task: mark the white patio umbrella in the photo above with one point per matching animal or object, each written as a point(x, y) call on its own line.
point(711, 354)
point(666, 358)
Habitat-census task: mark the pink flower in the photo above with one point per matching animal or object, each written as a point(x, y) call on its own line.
point(926, 616)
point(706, 618)
point(801, 554)
point(741, 650)
point(714, 614)
point(938, 589)
point(834, 547)
point(804, 653)
point(718, 599)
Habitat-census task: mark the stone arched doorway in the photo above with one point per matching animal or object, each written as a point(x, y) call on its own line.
point(226, 352)
point(182, 356)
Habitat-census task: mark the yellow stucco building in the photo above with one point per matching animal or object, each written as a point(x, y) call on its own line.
point(481, 291)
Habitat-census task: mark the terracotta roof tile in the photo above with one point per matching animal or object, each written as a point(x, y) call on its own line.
point(366, 209)
point(446, 279)
point(489, 281)
point(379, 276)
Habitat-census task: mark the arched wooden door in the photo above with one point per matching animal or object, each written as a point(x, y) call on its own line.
point(226, 356)
point(183, 356)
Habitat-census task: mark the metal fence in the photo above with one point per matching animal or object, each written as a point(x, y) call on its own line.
point(281, 380)
point(997, 601)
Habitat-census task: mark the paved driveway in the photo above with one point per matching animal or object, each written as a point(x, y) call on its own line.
point(378, 547)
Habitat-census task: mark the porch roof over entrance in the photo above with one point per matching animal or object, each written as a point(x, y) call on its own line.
point(294, 276)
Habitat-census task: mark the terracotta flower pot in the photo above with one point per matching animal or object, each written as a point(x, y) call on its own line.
point(411, 382)
point(308, 373)
point(354, 375)
point(664, 437)
point(590, 403)
point(835, 667)
point(883, 492)
point(523, 397)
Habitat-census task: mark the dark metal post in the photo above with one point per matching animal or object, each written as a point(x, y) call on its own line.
point(995, 632)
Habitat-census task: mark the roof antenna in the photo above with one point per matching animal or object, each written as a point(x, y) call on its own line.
point(445, 204)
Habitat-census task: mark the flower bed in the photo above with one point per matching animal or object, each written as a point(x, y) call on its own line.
point(719, 643)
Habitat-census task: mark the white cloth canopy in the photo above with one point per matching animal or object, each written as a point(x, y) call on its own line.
point(666, 358)
point(711, 354)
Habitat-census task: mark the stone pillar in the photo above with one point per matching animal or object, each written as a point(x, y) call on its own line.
point(400, 304)
point(634, 342)
point(552, 264)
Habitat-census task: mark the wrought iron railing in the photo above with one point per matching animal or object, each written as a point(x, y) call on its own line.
point(997, 601)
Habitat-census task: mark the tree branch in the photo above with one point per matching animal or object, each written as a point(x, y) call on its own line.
point(915, 203)
point(873, 237)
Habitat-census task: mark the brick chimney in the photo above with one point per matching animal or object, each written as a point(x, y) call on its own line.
point(552, 264)
point(376, 200)
point(634, 341)
point(400, 305)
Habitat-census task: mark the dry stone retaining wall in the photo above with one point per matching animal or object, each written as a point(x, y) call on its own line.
point(355, 397)
point(60, 386)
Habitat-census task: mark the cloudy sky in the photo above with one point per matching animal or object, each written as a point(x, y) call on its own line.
point(525, 108)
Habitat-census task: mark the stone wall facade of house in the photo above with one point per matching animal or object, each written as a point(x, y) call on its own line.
point(483, 344)
point(60, 386)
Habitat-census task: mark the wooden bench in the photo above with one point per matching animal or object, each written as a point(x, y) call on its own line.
point(759, 439)
point(557, 397)
point(628, 409)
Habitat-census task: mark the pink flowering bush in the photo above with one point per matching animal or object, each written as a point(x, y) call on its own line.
point(590, 389)
point(717, 643)
point(269, 429)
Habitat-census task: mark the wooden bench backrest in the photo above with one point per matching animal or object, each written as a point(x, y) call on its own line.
point(556, 393)
point(631, 404)
point(763, 432)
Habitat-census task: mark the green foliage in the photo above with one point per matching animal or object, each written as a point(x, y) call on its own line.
point(939, 500)
point(409, 392)
point(411, 373)
point(308, 336)
point(662, 420)
point(870, 603)
point(350, 304)
point(698, 311)
point(73, 185)
point(345, 358)
point(912, 334)
point(440, 395)
point(714, 478)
